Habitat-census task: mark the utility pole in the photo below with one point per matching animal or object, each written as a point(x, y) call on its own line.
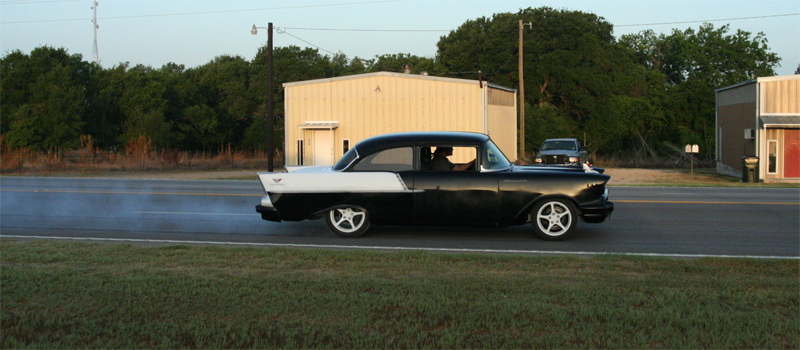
point(270, 114)
point(95, 53)
point(521, 154)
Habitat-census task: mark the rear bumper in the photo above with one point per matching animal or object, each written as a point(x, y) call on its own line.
point(597, 213)
point(268, 213)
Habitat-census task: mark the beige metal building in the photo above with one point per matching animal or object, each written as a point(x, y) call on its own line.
point(325, 117)
point(760, 118)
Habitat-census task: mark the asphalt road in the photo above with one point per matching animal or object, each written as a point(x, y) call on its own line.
point(687, 222)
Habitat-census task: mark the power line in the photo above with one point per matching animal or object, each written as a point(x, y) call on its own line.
point(514, 29)
point(708, 20)
point(371, 30)
point(211, 12)
point(25, 2)
point(283, 31)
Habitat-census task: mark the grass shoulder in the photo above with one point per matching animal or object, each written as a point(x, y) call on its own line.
point(61, 294)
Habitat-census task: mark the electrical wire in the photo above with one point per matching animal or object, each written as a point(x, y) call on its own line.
point(283, 31)
point(708, 20)
point(206, 12)
point(25, 2)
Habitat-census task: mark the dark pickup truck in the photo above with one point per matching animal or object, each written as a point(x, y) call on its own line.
point(561, 152)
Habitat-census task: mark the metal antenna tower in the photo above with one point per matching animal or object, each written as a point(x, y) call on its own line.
point(95, 53)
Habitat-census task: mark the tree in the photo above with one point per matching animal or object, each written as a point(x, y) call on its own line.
point(143, 104)
point(572, 64)
point(43, 98)
point(103, 116)
point(224, 86)
point(290, 63)
point(397, 63)
point(694, 64)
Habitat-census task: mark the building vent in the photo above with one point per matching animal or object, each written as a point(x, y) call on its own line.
point(749, 134)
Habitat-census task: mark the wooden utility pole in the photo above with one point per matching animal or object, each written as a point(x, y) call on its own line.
point(521, 154)
point(270, 109)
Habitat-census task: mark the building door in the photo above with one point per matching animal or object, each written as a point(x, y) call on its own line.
point(323, 147)
point(791, 152)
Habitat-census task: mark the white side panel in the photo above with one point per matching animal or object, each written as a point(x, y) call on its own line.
point(331, 181)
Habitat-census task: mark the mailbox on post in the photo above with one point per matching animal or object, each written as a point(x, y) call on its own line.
point(692, 149)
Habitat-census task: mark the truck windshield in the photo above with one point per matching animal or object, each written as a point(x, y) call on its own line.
point(565, 145)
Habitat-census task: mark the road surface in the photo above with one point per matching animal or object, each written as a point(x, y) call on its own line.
point(661, 221)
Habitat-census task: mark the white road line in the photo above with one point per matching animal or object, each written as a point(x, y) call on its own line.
point(185, 213)
point(451, 250)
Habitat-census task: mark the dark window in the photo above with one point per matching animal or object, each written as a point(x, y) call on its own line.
point(300, 152)
point(395, 159)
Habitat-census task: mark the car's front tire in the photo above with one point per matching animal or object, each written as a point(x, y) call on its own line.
point(554, 219)
point(348, 222)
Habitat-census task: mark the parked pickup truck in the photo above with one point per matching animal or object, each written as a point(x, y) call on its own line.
point(561, 152)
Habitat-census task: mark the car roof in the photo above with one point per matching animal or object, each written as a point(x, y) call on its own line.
point(422, 138)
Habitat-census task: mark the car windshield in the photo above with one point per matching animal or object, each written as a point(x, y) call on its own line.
point(346, 160)
point(493, 158)
point(553, 145)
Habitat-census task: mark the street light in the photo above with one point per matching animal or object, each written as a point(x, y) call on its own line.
point(254, 31)
point(270, 117)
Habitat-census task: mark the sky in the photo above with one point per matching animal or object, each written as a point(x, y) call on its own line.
point(193, 32)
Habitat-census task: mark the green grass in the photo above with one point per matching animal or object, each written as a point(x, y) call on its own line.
point(76, 295)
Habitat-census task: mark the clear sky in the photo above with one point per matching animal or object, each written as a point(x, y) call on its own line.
point(193, 32)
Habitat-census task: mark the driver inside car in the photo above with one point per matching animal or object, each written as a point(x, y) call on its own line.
point(441, 163)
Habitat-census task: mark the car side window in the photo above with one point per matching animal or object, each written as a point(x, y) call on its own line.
point(394, 159)
point(452, 158)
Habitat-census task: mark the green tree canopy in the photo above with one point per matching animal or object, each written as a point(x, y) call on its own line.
point(43, 97)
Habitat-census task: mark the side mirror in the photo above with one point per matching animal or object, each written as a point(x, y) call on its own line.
point(536, 150)
point(583, 148)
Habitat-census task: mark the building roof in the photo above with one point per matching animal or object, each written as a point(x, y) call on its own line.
point(760, 80)
point(399, 75)
point(781, 120)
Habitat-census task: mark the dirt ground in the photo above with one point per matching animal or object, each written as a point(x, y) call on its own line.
point(619, 176)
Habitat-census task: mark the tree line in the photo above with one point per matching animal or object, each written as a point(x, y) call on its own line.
point(638, 94)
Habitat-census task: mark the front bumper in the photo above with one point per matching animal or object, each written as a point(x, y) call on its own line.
point(597, 214)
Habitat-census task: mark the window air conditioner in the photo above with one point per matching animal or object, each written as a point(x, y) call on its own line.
point(749, 134)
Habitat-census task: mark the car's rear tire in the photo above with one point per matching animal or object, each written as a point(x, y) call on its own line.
point(348, 222)
point(554, 219)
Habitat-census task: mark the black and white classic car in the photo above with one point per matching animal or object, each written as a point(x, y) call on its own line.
point(408, 179)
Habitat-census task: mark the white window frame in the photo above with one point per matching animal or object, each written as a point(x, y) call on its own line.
point(777, 157)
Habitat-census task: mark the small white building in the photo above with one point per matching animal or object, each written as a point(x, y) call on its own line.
point(760, 118)
point(325, 117)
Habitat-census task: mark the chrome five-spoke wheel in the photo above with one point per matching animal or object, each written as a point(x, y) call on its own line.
point(348, 221)
point(554, 219)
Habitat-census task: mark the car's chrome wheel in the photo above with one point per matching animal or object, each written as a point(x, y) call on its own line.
point(554, 219)
point(348, 222)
